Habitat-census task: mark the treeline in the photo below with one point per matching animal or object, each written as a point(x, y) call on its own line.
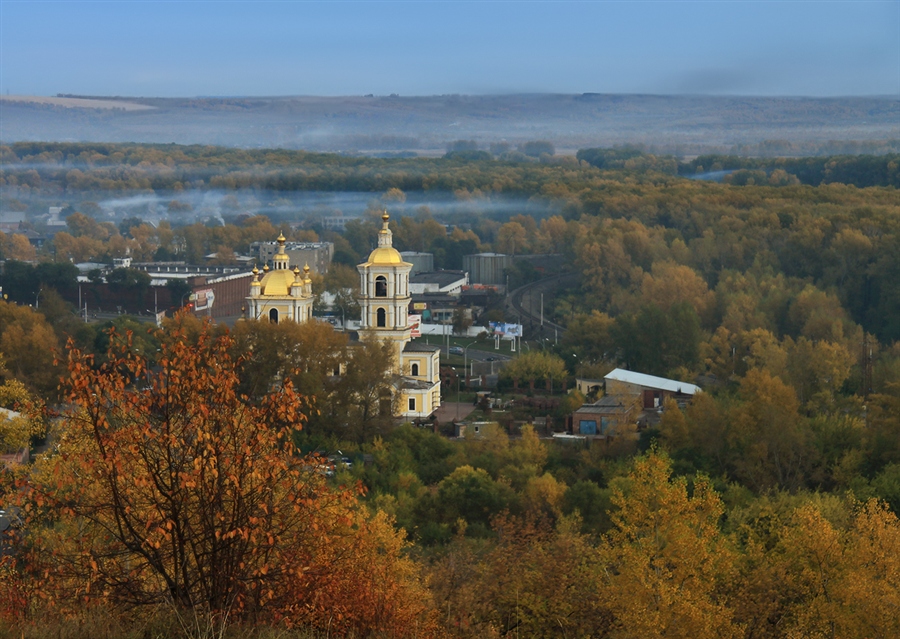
point(59, 169)
point(200, 447)
point(859, 170)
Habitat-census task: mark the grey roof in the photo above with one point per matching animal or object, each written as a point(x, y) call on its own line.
point(442, 278)
point(413, 347)
point(434, 298)
point(651, 381)
point(415, 384)
point(605, 405)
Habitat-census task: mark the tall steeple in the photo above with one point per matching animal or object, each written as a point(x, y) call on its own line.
point(384, 291)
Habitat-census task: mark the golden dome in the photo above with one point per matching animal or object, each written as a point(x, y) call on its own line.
point(385, 255)
point(276, 282)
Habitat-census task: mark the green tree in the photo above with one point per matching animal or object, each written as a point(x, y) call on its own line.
point(656, 341)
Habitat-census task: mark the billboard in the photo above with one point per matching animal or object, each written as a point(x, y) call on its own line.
point(505, 329)
point(414, 321)
point(203, 299)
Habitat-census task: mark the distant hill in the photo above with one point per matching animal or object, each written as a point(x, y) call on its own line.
point(373, 125)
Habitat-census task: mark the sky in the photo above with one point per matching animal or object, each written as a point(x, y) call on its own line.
point(184, 48)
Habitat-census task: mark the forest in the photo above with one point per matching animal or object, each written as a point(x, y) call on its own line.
point(766, 508)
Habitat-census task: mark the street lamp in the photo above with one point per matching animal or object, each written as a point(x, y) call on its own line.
point(457, 394)
point(465, 361)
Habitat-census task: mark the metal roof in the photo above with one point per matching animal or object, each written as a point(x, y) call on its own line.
point(414, 347)
point(442, 278)
point(651, 381)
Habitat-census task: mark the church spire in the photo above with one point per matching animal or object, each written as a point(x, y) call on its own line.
point(385, 237)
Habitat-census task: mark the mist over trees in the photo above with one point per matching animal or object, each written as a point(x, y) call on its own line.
point(778, 287)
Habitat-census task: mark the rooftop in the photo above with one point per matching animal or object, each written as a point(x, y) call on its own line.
point(651, 381)
point(605, 405)
point(415, 347)
point(442, 278)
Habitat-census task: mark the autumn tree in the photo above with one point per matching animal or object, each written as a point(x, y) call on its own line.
point(169, 487)
point(23, 421)
point(536, 365)
point(511, 238)
point(27, 344)
point(665, 560)
point(364, 401)
point(535, 581)
point(821, 568)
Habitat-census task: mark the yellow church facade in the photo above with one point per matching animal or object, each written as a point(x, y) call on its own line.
point(281, 293)
point(285, 294)
point(384, 303)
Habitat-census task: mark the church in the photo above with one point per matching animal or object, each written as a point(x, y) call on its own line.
point(285, 294)
point(281, 293)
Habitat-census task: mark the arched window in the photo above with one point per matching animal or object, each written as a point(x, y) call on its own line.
point(414, 369)
point(273, 316)
point(381, 318)
point(381, 286)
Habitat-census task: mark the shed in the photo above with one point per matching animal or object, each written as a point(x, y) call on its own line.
point(652, 390)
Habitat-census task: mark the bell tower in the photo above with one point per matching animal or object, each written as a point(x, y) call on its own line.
point(384, 293)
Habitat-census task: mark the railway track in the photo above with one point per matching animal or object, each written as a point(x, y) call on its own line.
point(525, 302)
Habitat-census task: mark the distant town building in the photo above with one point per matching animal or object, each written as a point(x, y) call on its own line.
point(447, 282)
point(487, 268)
point(317, 255)
point(422, 262)
point(335, 222)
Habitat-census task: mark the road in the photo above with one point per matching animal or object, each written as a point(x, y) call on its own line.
point(525, 302)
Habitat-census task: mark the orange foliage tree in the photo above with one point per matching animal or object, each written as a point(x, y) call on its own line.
point(169, 487)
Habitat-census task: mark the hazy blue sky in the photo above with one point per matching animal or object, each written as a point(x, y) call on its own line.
point(184, 48)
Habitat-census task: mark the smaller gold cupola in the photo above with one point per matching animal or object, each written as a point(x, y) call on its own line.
point(281, 260)
point(385, 254)
point(297, 284)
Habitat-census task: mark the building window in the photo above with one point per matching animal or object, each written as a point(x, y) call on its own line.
point(381, 286)
point(381, 318)
point(412, 404)
point(273, 316)
point(414, 369)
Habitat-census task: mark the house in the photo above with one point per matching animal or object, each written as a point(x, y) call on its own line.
point(609, 416)
point(588, 387)
point(435, 308)
point(651, 390)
